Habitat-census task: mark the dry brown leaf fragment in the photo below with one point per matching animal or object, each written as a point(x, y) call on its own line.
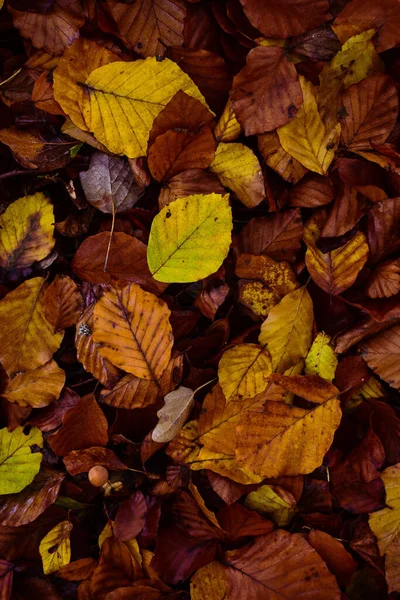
point(289, 168)
point(36, 388)
point(382, 355)
point(384, 281)
point(172, 416)
point(63, 303)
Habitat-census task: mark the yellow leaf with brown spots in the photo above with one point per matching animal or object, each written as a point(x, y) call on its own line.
point(243, 371)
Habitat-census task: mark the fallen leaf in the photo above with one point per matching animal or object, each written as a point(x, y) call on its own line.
point(190, 238)
point(278, 159)
point(273, 500)
point(345, 212)
point(187, 183)
point(228, 128)
point(172, 416)
point(383, 223)
point(129, 520)
point(338, 560)
point(312, 191)
point(78, 570)
point(243, 371)
point(238, 169)
point(18, 464)
point(381, 353)
point(132, 330)
point(55, 547)
point(81, 461)
point(384, 281)
point(36, 388)
point(321, 359)
point(63, 303)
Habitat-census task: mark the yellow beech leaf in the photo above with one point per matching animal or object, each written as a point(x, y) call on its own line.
point(73, 68)
point(239, 170)
point(356, 60)
point(242, 371)
point(385, 524)
point(287, 331)
point(28, 340)
point(210, 583)
point(337, 270)
point(372, 388)
point(133, 331)
point(273, 500)
point(121, 101)
point(18, 464)
point(26, 232)
point(36, 388)
point(55, 547)
point(190, 238)
point(257, 296)
point(228, 127)
point(306, 137)
point(278, 159)
point(321, 359)
point(284, 440)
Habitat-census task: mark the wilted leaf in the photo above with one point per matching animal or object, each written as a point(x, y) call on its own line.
point(18, 464)
point(371, 111)
point(321, 359)
point(306, 137)
point(190, 238)
point(239, 170)
point(278, 159)
point(384, 280)
point(382, 355)
point(172, 416)
point(150, 26)
point(63, 303)
point(278, 236)
point(35, 149)
point(36, 388)
point(126, 129)
point(287, 440)
point(228, 128)
point(26, 232)
point(28, 340)
point(273, 500)
point(287, 331)
point(55, 547)
point(134, 331)
point(243, 371)
point(266, 93)
point(337, 270)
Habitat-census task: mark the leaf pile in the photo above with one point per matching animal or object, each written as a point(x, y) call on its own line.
point(199, 300)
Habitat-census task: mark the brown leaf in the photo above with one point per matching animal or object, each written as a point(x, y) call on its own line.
point(382, 353)
point(25, 507)
point(127, 261)
point(51, 417)
point(81, 461)
point(287, 18)
point(43, 95)
point(384, 281)
point(228, 490)
point(383, 225)
point(318, 44)
point(83, 426)
point(278, 159)
point(278, 235)
point(63, 303)
point(312, 191)
point(6, 579)
point(266, 93)
point(129, 520)
point(116, 568)
point(77, 570)
point(176, 151)
point(36, 388)
point(344, 214)
point(338, 560)
point(193, 181)
point(109, 184)
point(238, 522)
point(149, 26)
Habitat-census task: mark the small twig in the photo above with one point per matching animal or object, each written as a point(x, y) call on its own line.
point(14, 173)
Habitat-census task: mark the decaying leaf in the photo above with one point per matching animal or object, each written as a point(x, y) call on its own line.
point(18, 464)
point(381, 353)
point(277, 502)
point(171, 417)
point(321, 359)
point(36, 388)
point(55, 547)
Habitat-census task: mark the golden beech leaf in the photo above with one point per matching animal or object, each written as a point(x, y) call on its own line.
point(28, 340)
point(133, 331)
point(172, 416)
point(385, 524)
point(371, 111)
point(18, 464)
point(73, 68)
point(273, 500)
point(238, 169)
point(26, 232)
point(384, 281)
point(287, 331)
point(55, 547)
point(242, 371)
point(63, 303)
point(321, 359)
point(228, 127)
point(257, 296)
point(306, 137)
point(82, 136)
point(337, 270)
point(382, 355)
point(278, 159)
point(36, 388)
point(278, 276)
point(121, 101)
point(210, 583)
point(286, 440)
point(190, 238)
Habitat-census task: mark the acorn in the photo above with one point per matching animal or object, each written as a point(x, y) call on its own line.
point(98, 476)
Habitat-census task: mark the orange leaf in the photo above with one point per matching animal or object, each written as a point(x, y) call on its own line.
point(63, 303)
point(382, 355)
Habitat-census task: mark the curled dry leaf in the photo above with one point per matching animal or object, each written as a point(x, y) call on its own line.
point(36, 388)
point(188, 183)
point(172, 416)
point(238, 169)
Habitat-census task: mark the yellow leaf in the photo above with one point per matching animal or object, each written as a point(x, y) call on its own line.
point(18, 464)
point(242, 371)
point(133, 331)
point(239, 170)
point(273, 500)
point(73, 68)
point(287, 331)
point(372, 388)
point(210, 583)
point(55, 547)
point(190, 238)
point(277, 275)
point(28, 340)
point(36, 388)
point(26, 232)
point(257, 296)
point(278, 159)
point(121, 101)
point(283, 440)
point(337, 270)
point(321, 359)
point(228, 127)
point(306, 138)
point(356, 60)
